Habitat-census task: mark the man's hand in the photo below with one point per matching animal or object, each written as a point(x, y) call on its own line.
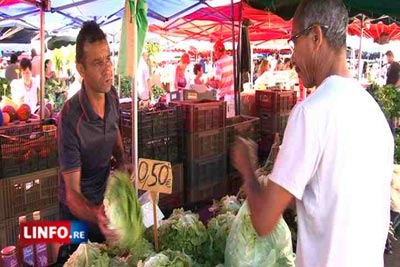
point(110, 235)
point(243, 158)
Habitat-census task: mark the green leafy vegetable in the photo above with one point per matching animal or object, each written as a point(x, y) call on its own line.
point(167, 258)
point(123, 211)
point(183, 231)
point(90, 254)
point(218, 230)
point(226, 204)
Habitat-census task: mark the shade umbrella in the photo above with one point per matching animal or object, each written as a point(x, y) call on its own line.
point(60, 41)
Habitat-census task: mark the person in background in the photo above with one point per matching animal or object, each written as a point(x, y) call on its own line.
point(25, 90)
point(224, 79)
point(143, 79)
point(287, 64)
point(264, 66)
point(393, 73)
point(88, 136)
point(180, 78)
point(48, 72)
point(35, 59)
point(11, 70)
point(279, 64)
point(340, 179)
point(203, 63)
point(197, 70)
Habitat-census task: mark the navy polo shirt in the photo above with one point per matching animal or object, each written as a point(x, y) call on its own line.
point(86, 142)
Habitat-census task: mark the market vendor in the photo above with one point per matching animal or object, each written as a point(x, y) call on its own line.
point(88, 135)
point(24, 90)
point(336, 158)
point(224, 78)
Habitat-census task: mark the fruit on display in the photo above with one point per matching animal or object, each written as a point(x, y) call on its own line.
point(24, 112)
point(11, 112)
point(6, 118)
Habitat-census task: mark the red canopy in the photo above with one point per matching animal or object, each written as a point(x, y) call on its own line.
point(380, 32)
point(211, 24)
point(11, 2)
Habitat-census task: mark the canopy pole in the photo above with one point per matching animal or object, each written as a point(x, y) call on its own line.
point(235, 71)
point(359, 49)
point(134, 105)
point(42, 78)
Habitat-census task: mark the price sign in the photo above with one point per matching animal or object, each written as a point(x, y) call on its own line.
point(155, 175)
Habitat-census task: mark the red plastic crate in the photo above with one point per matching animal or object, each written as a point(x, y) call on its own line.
point(205, 179)
point(25, 193)
point(202, 145)
point(276, 102)
point(244, 126)
point(202, 115)
point(273, 123)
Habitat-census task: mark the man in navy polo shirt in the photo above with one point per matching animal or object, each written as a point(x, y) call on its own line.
point(89, 136)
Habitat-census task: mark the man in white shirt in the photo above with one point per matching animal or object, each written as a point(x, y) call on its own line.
point(143, 78)
point(336, 159)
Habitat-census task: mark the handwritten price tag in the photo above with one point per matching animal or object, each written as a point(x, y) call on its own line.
point(155, 175)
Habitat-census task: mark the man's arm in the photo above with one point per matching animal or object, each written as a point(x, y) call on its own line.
point(76, 202)
point(214, 83)
point(266, 204)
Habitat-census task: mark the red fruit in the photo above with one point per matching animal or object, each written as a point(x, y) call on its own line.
point(24, 112)
point(11, 112)
point(6, 118)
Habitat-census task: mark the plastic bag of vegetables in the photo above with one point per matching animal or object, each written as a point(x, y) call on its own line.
point(167, 258)
point(244, 248)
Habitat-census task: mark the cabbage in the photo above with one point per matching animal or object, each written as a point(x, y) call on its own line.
point(244, 248)
point(90, 255)
point(167, 258)
point(123, 210)
point(226, 204)
point(183, 231)
point(218, 230)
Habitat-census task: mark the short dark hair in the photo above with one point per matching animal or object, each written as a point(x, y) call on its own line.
point(45, 63)
point(389, 53)
point(25, 63)
point(196, 68)
point(13, 58)
point(90, 32)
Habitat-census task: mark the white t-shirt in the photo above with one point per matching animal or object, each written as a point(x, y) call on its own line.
point(20, 94)
point(142, 78)
point(337, 160)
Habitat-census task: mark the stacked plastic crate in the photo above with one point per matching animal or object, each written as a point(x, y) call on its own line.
point(159, 138)
point(204, 149)
point(28, 176)
point(273, 108)
point(246, 127)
